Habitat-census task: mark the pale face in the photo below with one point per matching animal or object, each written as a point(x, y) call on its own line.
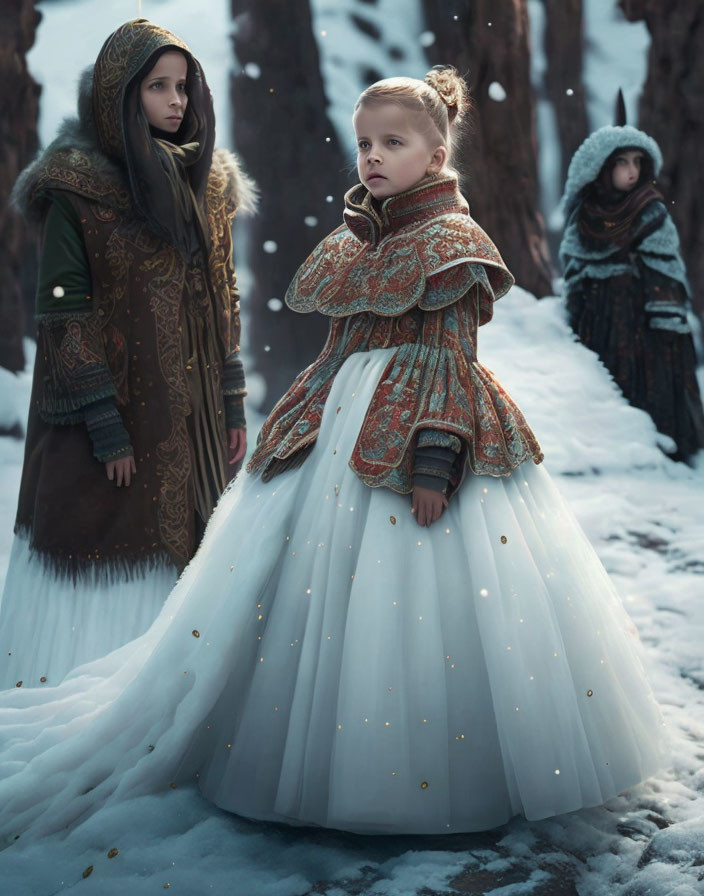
point(392, 154)
point(626, 170)
point(163, 92)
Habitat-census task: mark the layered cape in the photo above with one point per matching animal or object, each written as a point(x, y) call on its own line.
point(654, 244)
point(158, 336)
point(417, 274)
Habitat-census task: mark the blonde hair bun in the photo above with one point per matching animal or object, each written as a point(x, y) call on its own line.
point(450, 85)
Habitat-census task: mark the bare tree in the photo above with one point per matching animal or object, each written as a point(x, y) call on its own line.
point(672, 111)
point(288, 145)
point(563, 77)
point(487, 40)
point(19, 112)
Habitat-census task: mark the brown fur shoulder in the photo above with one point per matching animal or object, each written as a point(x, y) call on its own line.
point(229, 180)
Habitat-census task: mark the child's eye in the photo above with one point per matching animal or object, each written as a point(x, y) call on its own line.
point(394, 142)
point(363, 144)
point(181, 87)
point(156, 84)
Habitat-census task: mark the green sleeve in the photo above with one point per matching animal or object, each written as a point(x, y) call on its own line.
point(64, 282)
point(69, 334)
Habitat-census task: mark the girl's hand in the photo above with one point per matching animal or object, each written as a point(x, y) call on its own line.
point(122, 470)
point(236, 445)
point(428, 505)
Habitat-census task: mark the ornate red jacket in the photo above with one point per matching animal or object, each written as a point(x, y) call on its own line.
point(420, 275)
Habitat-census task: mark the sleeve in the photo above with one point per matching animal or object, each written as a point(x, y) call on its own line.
point(233, 382)
point(433, 463)
point(665, 302)
point(77, 385)
point(434, 393)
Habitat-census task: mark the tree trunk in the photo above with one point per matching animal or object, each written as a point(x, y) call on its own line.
point(672, 111)
point(487, 40)
point(18, 138)
point(563, 51)
point(284, 137)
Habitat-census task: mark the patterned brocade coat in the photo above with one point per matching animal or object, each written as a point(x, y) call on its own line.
point(419, 275)
point(158, 335)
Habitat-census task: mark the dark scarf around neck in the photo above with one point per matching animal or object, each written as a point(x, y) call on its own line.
point(607, 215)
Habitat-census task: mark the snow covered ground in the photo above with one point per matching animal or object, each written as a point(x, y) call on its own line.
point(645, 516)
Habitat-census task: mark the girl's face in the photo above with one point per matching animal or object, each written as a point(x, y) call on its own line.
point(392, 154)
point(626, 170)
point(163, 92)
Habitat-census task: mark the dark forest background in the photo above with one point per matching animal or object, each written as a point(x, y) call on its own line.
point(500, 159)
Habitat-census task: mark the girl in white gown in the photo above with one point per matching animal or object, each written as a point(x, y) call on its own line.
point(341, 655)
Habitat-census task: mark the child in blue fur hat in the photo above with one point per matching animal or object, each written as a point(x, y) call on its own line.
point(625, 281)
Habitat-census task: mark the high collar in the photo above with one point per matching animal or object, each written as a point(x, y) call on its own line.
point(370, 221)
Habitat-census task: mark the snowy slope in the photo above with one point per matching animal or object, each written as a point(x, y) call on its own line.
point(645, 516)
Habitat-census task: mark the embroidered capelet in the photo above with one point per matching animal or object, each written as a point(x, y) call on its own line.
point(417, 273)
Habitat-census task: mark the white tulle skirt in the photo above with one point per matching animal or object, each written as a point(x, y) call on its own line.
point(49, 624)
point(324, 660)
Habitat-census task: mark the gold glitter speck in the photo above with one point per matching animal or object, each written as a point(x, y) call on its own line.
point(113, 852)
point(590, 693)
point(195, 633)
point(503, 539)
point(557, 771)
point(338, 410)
point(392, 520)
point(43, 679)
point(87, 871)
point(423, 785)
point(19, 684)
point(386, 724)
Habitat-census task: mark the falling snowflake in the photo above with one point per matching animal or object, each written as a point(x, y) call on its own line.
point(497, 92)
